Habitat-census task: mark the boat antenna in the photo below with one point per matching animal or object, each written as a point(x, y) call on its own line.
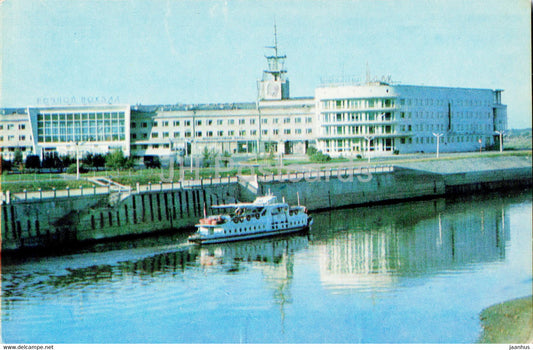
point(283, 199)
point(298, 196)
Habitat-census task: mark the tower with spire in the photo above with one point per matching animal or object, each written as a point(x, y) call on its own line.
point(274, 84)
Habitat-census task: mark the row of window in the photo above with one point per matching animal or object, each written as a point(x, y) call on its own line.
point(348, 145)
point(81, 127)
point(218, 133)
point(13, 149)
point(12, 126)
point(382, 144)
point(444, 102)
point(442, 115)
point(358, 103)
point(81, 116)
point(448, 139)
point(357, 130)
point(356, 117)
point(388, 116)
point(366, 103)
point(443, 127)
point(219, 122)
point(12, 138)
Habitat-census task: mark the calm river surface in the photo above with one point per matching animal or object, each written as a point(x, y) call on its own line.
point(418, 272)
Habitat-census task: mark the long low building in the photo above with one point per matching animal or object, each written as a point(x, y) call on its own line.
point(372, 118)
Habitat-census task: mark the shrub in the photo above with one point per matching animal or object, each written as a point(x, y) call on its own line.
point(72, 169)
point(319, 157)
point(311, 151)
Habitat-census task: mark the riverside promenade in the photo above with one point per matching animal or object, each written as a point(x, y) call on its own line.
point(64, 218)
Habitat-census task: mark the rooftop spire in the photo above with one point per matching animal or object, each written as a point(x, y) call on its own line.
point(275, 85)
point(276, 63)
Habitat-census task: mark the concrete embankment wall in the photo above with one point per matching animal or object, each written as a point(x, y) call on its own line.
point(479, 174)
point(487, 180)
point(410, 181)
point(348, 189)
point(64, 221)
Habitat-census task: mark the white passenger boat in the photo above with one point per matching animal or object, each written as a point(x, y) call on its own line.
point(262, 218)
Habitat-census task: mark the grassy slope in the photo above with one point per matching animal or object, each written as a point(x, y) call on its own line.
point(510, 322)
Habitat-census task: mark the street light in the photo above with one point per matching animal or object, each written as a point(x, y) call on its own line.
point(438, 141)
point(368, 139)
point(78, 144)
point(186, 151)
point(501, 139)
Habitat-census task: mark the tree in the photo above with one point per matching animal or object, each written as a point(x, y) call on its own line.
point(33, 162)
point(209, 157)
point(52, 161)
point(5, 165)
point(98, 161)
point(116, 160)
point(17, 157)
point(226, 156)
point(66, 160)
point(94, 160)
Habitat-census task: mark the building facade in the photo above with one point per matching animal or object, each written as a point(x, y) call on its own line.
point(64, 130)
point(283, 126)
point(372, 118)
point(384, 118)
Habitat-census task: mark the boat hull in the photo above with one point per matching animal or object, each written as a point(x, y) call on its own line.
point(198, 239)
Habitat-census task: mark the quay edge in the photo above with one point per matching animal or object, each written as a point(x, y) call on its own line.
point(57, 223)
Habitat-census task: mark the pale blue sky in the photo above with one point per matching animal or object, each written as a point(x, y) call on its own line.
point(161, 51)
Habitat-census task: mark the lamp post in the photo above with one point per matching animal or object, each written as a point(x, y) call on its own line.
point(368, 139)
point(438, 142)
point(191, 156)
point(501, 139)
point(78, 144)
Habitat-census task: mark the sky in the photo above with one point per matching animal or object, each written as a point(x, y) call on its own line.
point(201, 51)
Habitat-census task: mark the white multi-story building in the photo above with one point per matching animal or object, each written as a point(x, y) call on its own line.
point(376, 117)
point(64, 130)
point(384, 118)
point(282, 126)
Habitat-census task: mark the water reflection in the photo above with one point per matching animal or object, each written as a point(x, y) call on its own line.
point(366, 248)
point(285, 289)
point(273, 256)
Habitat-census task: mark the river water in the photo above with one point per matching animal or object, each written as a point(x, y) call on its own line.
point(418, 272)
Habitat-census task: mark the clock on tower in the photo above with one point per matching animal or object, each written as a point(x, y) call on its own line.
point(273, 90)
point(275, 85)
